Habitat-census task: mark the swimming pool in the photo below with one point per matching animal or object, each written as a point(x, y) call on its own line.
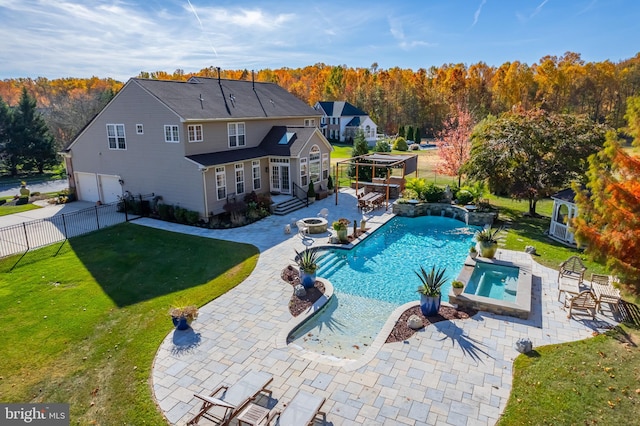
point(376, 277)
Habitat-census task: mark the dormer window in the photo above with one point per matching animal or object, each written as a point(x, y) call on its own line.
point(236, 135)
point(309, 122)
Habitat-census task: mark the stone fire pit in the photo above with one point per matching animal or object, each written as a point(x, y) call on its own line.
point(314, 225)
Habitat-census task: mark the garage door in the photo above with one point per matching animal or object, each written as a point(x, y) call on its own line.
point(87, 187)
point(111, 188)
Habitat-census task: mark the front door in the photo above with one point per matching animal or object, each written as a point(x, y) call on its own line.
point(280, 179)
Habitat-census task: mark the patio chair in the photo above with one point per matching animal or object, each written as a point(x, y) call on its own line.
point(572, 268)
point(324, 213)
point(604, 290)
point(300, 411)
point(220, 407)
point(585, 301)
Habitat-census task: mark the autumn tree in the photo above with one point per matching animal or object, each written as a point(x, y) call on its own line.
point(531, 154)
point(454, 143)
point(609, 207)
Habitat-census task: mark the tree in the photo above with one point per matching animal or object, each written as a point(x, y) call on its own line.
point(401, 132)
point(609, 206)
point(30, 145)
point(530, 154)
point(410, 133)
point(454, 143)
point(416, 135)
point(360, 147)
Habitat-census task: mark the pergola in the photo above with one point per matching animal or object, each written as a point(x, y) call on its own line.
point(408, 163)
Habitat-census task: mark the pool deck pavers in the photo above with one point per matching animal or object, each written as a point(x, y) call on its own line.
point(449, 373)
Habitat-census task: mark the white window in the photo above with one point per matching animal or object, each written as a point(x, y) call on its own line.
point(171, 133)
point(195, 132)
point(309, 122)
point(255, 166)
point(115, 135)
point(325, 166)
point(221, 183)
point(239, 178)
point(314, 163)
point(236, 134)
point(304, 172)
point(139, 129)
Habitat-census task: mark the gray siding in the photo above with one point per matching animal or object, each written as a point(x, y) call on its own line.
point(149, 164)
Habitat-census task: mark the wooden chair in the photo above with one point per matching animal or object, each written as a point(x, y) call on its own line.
point(602, 287)
point(572, 268)
point(300, 411)
point(234, 398)
point(585, 301)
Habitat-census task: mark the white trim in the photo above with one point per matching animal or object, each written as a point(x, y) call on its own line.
point(174, 133)
point(195, 138)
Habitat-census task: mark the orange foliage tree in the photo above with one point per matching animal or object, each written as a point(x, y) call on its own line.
point(454, 143)
point(609, 207)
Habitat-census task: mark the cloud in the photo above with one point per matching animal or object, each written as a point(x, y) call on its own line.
point(397, 32)
point(476, 15)
point(524, 18)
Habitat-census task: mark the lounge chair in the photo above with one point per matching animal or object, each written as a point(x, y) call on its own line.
point(229, 403)
point(300, 411)
point(585, 301)
point(604, 290)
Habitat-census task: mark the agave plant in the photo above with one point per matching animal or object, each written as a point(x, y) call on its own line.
point(307, 260)
point(432, 281)
point(488, 235)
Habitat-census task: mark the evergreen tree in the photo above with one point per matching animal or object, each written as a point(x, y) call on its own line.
point(401, 133)
point(360, 147)
point(31, 146)
point(416, 135)
point(410, 133)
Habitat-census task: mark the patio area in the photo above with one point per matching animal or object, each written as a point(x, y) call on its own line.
point(451, 373)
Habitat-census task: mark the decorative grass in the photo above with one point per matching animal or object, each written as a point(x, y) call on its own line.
point(589, 382)
point(83, 320)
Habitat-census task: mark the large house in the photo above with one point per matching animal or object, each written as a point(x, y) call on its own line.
point(341, 120)
point(198, 144)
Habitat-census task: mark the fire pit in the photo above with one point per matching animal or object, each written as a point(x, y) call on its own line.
point(314, 225)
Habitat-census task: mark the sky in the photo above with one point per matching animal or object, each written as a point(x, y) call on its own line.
point(121, 38)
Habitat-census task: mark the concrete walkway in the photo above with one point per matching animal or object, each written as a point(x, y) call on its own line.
point(450, 373)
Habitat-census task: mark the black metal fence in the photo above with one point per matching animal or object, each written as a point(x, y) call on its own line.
point(27, 236)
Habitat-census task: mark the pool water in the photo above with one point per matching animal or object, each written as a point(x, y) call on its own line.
point(377, 276)
point(494, 281)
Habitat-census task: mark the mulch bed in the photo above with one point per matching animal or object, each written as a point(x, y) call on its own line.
point(401, 330)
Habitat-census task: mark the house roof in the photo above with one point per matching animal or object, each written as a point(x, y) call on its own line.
point(282, 141)
point(340, 108)
point(567, 195)
point(211, 99)
point(354, 122)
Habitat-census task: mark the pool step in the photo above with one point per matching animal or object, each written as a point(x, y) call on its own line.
point(329, 263)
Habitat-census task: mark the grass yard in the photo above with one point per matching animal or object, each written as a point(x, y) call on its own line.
point(82, 325)
point(5, 210)
point(590, 382)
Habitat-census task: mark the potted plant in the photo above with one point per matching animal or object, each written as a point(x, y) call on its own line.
point(473, 252)
point(311, 192)
point(183, 316)
point(488, 241)
point(340, 226)
point(430, 289)
point(457, 287)
point(307, 261)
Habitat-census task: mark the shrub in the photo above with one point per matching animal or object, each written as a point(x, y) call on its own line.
point(311, 192)
point(432, 193)
point(464, 197)
point(180, 214)
point(192, 217)
point(165, 211)
point(22, 200)
point(414, 147)
point(382, 146)
point(400, 144)
point(329, 183)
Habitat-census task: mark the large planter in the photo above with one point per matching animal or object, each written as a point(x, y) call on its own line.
point(180, 323)
point(429, 305)
point(308, 280)
point(342, 235)
point(487, 249)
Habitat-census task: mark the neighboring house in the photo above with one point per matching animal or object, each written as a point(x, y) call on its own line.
point(199, 144)
point(341, 121)
point(564, 209)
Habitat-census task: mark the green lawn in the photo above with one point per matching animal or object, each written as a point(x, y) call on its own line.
point(82, 325)
point(5, 210)
point(589, 382)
